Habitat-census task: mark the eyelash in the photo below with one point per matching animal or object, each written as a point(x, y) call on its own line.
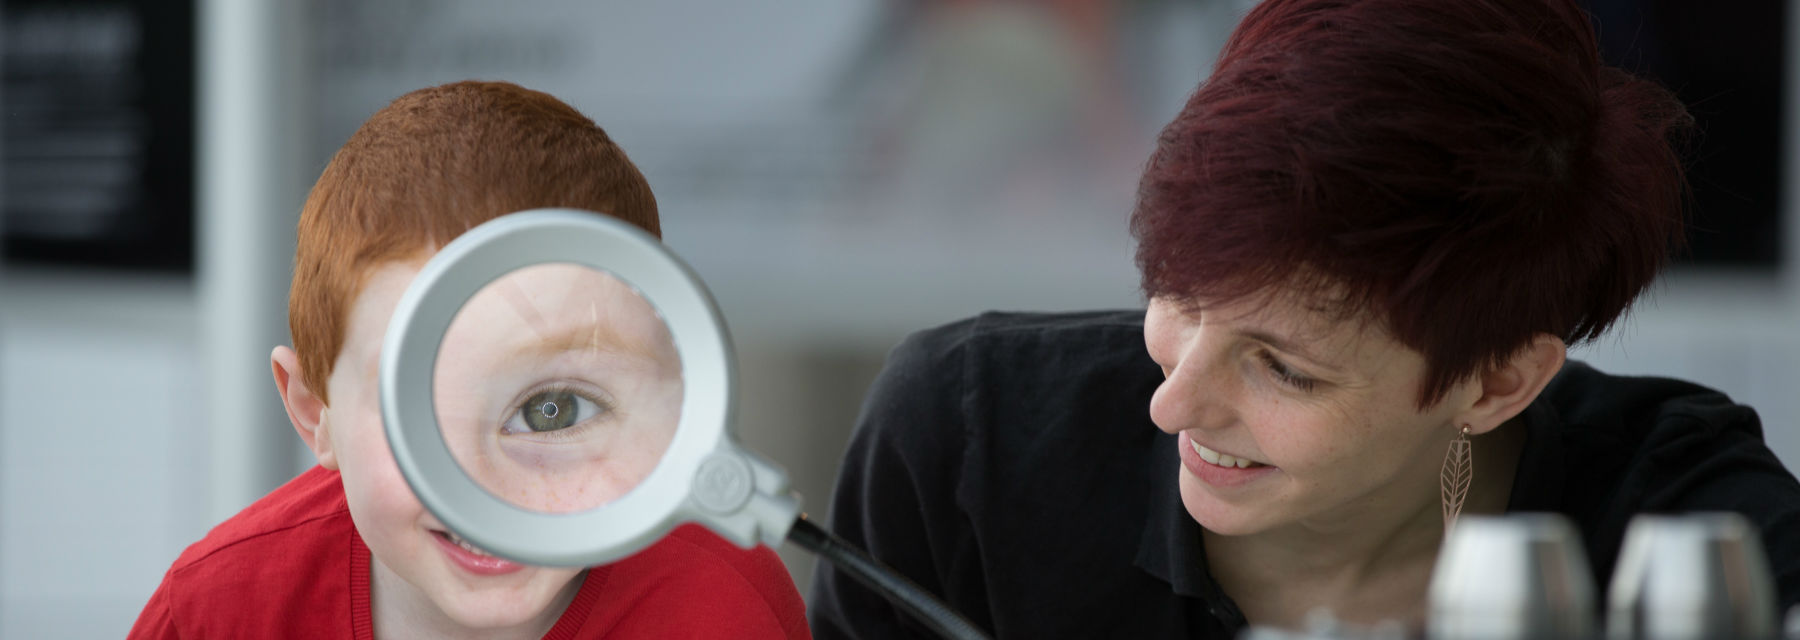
point(603, 404)
point(1286, 375)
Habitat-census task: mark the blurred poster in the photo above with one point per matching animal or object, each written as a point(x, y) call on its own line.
point(1726, 61)
point(96, 136)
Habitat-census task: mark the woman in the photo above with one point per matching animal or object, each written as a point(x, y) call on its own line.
point(1368, 239)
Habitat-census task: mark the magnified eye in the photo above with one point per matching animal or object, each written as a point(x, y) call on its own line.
point(552, 411)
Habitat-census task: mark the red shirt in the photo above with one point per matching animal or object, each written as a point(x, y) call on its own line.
point(292, 565)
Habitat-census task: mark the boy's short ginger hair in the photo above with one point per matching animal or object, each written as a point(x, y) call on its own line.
point(435, 163)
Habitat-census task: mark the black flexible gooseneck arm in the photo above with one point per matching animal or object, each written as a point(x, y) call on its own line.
point(884, 580)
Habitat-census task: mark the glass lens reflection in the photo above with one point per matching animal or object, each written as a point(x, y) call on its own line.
point(557, 388)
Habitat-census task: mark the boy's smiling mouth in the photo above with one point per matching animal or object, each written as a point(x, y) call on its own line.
point(463, 543)
point(470, 558)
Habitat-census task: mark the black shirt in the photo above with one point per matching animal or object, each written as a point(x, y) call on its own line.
point(1008, 463)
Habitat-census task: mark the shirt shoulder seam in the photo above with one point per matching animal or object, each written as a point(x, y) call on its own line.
point(261, 534)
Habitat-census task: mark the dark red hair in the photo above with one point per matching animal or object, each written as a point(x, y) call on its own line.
point(1467, 172)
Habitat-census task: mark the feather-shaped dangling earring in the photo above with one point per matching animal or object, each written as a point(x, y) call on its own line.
point(1459, 469)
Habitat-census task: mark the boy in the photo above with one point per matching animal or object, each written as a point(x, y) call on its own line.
point(345, 549)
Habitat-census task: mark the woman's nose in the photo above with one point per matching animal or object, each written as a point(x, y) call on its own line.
point(1191, 397)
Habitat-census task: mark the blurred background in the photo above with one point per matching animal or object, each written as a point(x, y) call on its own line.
point(841, 172)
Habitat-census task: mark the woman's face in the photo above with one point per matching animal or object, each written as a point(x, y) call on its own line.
point(1288, 415)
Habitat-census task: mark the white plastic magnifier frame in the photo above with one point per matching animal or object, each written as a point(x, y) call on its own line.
point(705, 476)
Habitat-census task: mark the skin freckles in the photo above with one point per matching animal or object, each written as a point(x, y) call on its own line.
point(416, 589)
point(1340, 443)
point(1329, 402)
point(558, 329)
point(412, 581)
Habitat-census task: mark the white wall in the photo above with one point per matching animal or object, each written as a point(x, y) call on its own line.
point(1740, 335)
point(103, 448)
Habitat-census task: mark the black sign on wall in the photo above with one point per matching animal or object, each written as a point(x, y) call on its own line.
point(1726, 62)
point(97, 133)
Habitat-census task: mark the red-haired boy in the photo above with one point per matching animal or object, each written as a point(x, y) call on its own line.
point(345, 549)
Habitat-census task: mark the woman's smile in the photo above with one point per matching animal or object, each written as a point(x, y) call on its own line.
point(1219, 469)
point(1223, 459)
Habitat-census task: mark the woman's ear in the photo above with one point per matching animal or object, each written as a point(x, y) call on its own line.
point(304, 408)
point(1508, 389)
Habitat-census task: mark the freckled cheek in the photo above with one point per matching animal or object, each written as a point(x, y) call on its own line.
point(556, 486)
point(372, 479)
point(396, 505)
point(1299, 440)
point(561, 479)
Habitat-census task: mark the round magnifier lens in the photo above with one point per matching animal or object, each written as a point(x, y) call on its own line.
point(557, 388)
point(536, 401)
point(552, 384)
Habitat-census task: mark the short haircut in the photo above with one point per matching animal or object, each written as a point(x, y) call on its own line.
point(1467, 172)
point(435, 163)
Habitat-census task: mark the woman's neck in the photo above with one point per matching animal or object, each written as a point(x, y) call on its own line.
point(1369, 563)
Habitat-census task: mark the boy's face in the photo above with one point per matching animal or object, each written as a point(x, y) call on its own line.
point(474, 590)
point(557, 388)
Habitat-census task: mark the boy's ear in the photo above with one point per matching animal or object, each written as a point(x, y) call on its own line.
point(1507, 390)
point(304, 408)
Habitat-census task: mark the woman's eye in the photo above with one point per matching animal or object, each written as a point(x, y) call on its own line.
point(553, 411)
point(1286, 375)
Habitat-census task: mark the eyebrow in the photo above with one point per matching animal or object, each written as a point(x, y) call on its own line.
point(1288, 346)
point(587, 336)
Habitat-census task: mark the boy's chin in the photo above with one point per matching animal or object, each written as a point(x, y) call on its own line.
point(518, 604)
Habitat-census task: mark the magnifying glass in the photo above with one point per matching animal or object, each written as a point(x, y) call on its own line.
point(557, 389)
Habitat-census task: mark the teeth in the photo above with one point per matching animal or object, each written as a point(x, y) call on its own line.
point(1206, 454)
point(465, 544)
point(1221, 459)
